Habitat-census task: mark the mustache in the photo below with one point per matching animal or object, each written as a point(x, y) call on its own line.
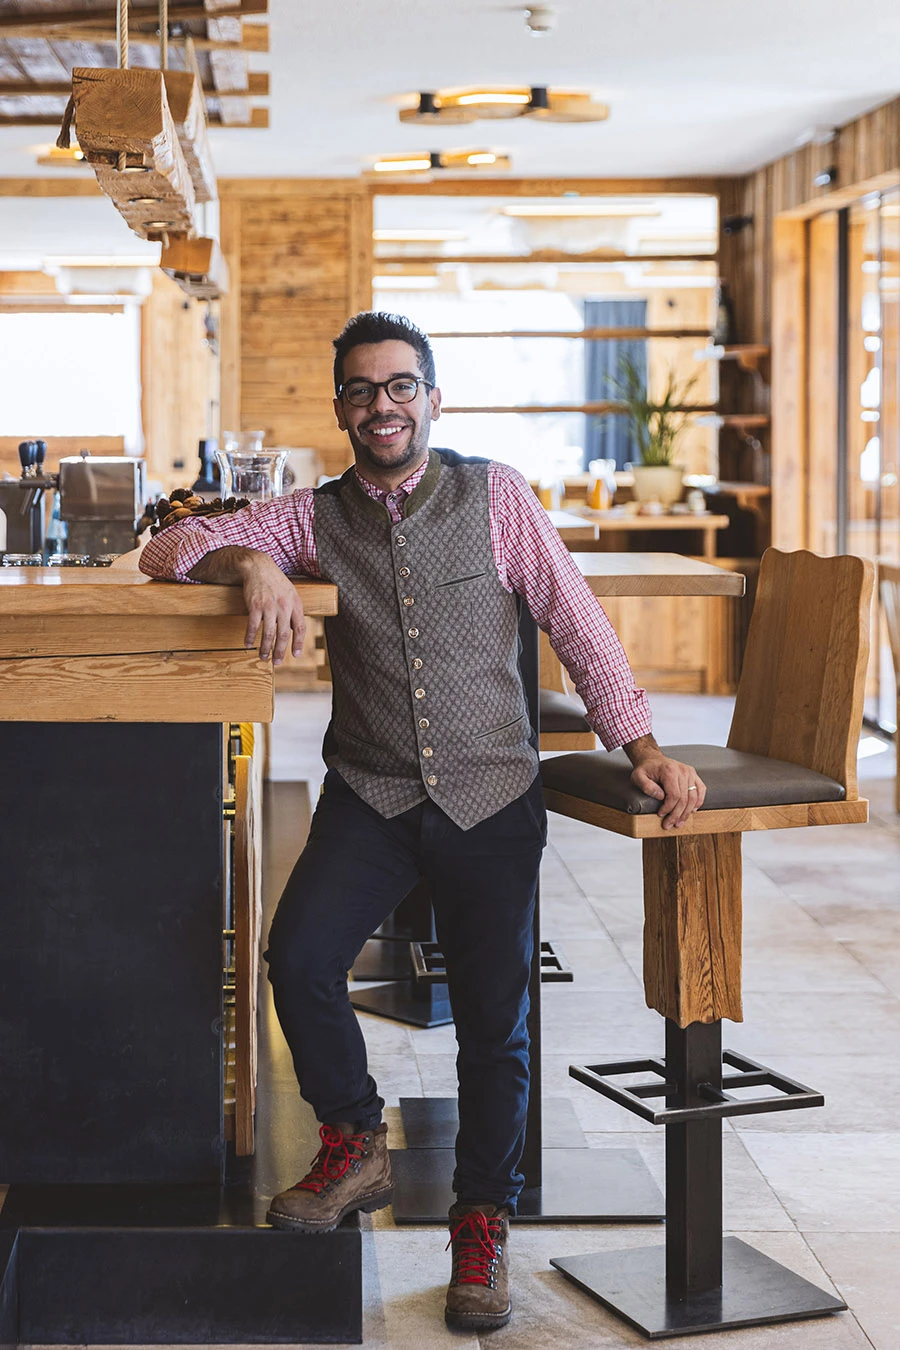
point(385, 422)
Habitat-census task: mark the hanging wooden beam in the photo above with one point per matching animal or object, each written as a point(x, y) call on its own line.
point(127, 112)
point(24, 25)
point(189, 115)
point(197, 266)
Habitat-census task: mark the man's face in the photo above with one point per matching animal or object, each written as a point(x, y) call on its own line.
point(387, 436)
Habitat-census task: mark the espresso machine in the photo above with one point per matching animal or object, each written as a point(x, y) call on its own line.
point(101, 498)
point(100, 501)
point(22, 500)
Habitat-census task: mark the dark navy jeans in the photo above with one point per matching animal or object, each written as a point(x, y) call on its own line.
point(354, 870)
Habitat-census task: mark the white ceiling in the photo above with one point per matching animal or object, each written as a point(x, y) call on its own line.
point(695, 86)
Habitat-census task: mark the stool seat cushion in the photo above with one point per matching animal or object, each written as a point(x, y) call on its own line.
point(733, 779)
point(559, 712)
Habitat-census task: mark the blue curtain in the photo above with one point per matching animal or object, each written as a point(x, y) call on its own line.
point(609, 436)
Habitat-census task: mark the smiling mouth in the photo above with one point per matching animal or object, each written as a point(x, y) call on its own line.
point(386, 430)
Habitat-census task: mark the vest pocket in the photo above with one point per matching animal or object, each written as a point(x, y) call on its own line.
point(454, 603)
point(508, 733)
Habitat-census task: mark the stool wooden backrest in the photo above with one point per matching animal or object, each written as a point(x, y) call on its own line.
point(801, 691)
point(889, 585)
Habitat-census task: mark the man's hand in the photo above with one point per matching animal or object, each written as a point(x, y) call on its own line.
point(679, 788)
point(274, 610)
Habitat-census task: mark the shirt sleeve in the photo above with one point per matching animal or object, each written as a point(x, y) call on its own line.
point(533, 561)
point(283, 528)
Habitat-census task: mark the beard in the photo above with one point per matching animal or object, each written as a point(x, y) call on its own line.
point(370, 454)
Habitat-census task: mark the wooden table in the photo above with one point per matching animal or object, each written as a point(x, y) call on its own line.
point(561, 1183)
point(615, 525)
point(572, 528)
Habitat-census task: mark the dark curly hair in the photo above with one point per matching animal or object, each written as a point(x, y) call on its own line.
point(372, 326)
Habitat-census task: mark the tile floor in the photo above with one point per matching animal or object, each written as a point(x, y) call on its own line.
point(817, 1190)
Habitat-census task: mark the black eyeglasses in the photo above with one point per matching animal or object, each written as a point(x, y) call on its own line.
point(401, 389)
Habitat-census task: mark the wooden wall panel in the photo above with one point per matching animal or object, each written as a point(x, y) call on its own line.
point(179, 383)
point(301, 252)
point(789, 385)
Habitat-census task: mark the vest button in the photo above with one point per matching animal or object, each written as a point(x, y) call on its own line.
point(404, 571)
point(417, 663)
point(400, 540)
point(432, 780)
point(420, 693)
point(408, 600)
point(427, 752)
point(424, 723)
point(413, 632)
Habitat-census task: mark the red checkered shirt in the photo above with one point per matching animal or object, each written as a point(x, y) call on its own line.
point(531, 561)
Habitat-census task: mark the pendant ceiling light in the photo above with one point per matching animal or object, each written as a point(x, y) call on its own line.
point(471, 105)
point(427, 162)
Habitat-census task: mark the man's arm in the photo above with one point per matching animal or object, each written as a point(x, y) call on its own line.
point(273, 604)
point(253, 548)
point(539, 567)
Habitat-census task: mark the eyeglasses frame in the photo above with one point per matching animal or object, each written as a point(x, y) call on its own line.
point(383, 384)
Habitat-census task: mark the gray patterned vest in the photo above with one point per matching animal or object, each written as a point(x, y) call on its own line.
point(428, 699)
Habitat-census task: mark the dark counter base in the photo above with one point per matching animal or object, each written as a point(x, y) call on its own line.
point(176, 1265)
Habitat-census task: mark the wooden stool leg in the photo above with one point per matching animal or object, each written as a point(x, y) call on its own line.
point(692, 927)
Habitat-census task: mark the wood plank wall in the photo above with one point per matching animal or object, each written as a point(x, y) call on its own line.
point(767, 265)
point(300, 257)
point(179, 383)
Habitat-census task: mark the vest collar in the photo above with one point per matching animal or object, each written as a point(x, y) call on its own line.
point(416, 499)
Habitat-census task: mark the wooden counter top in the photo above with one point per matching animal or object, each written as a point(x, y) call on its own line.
point(655, 574)
point(42, 591)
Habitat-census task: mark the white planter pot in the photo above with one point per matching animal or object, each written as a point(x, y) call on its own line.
point(658, 483)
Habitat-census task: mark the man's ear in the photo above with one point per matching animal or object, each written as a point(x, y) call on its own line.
point(338, 405)
point(435, 400)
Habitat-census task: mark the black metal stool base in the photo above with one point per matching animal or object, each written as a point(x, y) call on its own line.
point(383, 958)
point(755, 1291)
point(419, 1006)
point(432, 1122)
point(156, 1265)
point(579, 1185)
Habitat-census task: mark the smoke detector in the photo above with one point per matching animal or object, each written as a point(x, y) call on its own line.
point(540, 19)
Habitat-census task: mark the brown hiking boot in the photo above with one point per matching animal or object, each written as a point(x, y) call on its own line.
point(478, 1293)
point(352, 1170)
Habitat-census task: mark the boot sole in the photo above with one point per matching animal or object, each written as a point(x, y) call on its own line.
point(380, 1200)
point(476, 1321)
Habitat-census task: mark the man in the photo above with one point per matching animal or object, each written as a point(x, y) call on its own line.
point(432, 770)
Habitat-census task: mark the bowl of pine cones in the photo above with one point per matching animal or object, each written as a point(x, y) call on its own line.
point(181, 504)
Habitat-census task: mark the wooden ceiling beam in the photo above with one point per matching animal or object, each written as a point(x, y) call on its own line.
point(257, 86)
point(255, 38)
point(25, 25)
point(259, 120)
point(230, 70)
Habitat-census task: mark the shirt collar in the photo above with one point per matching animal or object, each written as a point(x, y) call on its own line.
point(406, 487)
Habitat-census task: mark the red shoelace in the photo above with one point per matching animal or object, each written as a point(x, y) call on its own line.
point(479, 1246)
point(333, 1159)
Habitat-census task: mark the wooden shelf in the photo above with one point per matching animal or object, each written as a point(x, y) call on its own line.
point(744, 421)
point(594, 409)
point(587, 334)
point(749, 355)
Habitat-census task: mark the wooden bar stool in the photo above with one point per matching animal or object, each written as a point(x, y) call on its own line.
point(790, 762)
point(563, 725)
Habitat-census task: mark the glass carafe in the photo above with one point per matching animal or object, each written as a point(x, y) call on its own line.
point(248, 470)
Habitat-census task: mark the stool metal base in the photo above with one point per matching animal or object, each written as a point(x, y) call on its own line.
point(383, 959)
point(755, 1291)
point(418, 1006)
point(579, 1185)
point(432, 1122)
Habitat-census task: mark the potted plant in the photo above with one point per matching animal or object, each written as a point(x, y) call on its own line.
point(657, 424)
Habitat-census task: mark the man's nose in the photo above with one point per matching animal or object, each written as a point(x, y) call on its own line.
point(382, 403)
